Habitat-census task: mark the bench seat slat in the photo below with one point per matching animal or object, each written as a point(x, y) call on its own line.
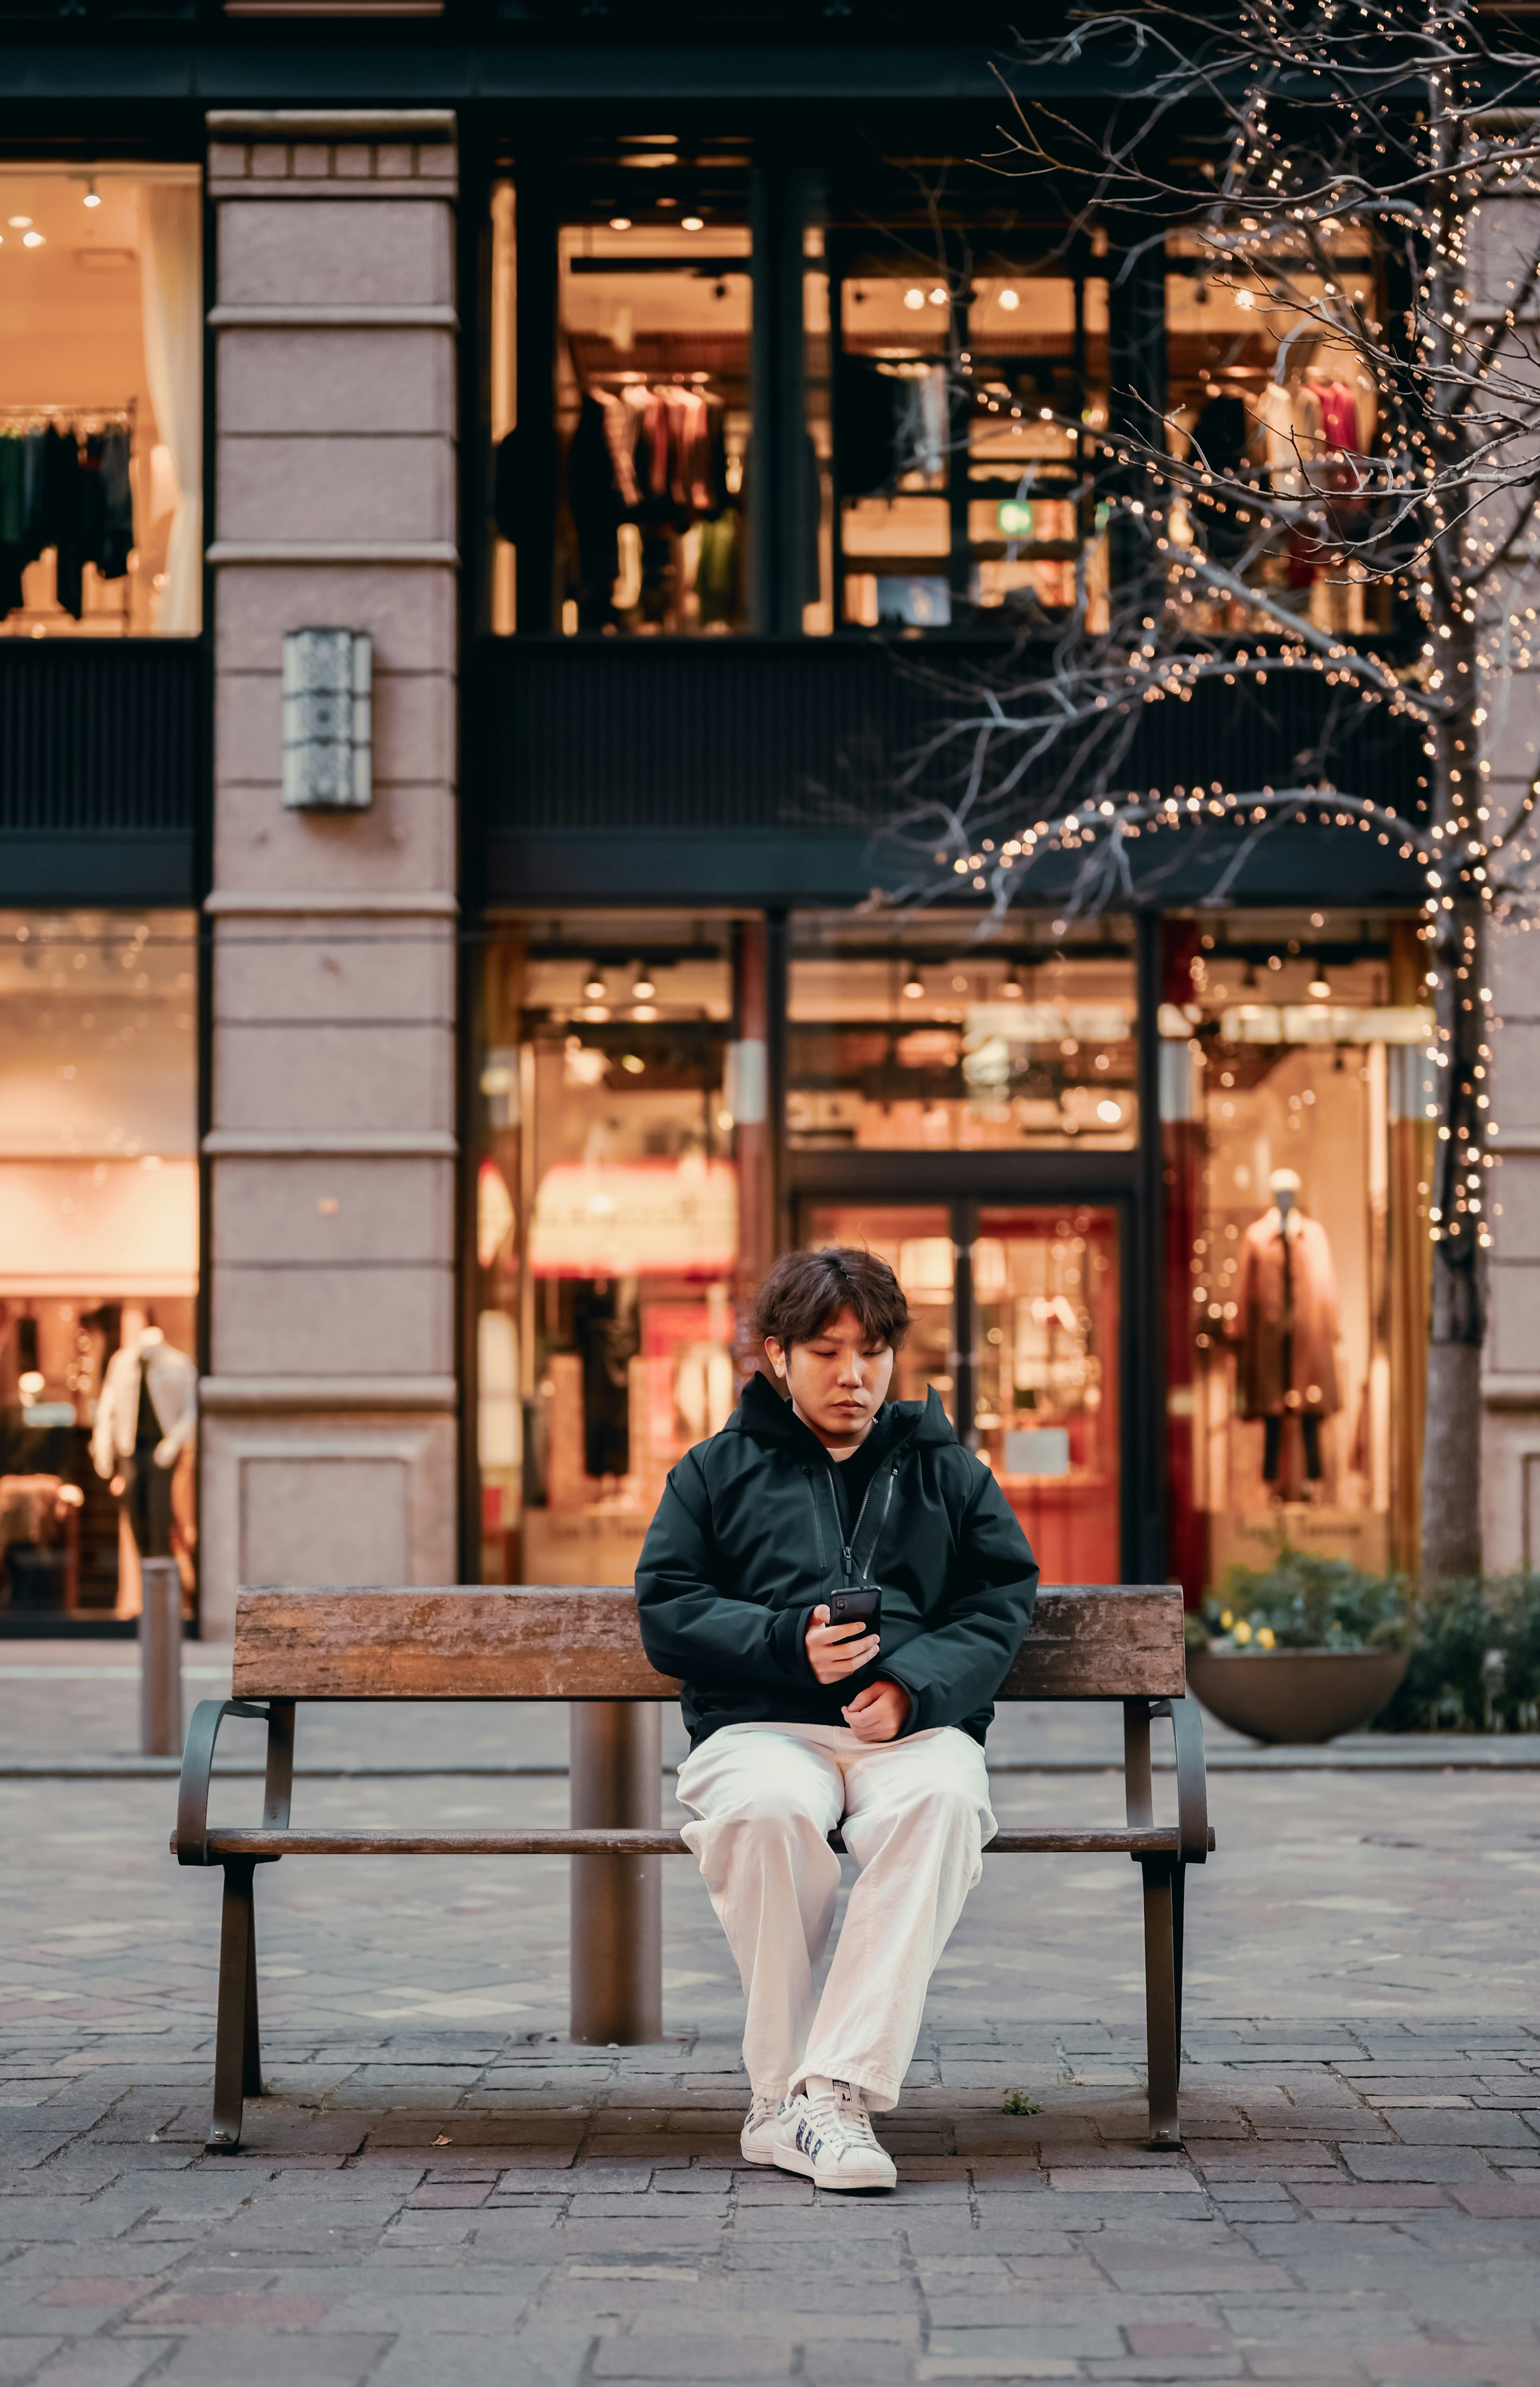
point(1090, 1641)
point(558, 1842)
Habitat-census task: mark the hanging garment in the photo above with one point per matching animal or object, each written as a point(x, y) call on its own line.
point(620, 434)
point(1275, 406)
point(609, 1337)
point(596, 504)
point(115, 538)
point(64, 516)
point(13, 461)
point(718, 574)
point(1288, 1325)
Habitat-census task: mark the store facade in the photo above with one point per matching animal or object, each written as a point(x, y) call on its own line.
point(480, 1106)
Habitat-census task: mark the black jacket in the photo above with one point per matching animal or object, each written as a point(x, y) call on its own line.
point(747, 1539)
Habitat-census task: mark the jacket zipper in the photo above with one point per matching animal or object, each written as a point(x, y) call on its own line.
point(855, 1529)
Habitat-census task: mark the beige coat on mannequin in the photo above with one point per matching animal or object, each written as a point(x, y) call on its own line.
point(1264, 1327)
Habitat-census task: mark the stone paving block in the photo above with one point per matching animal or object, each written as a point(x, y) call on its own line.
point(19, 2357)
point(104, 2362)
point(1512, 2203)
point(235, 2358)
point(1463, 2127)
point(726, 2358)
point(1416, 2163)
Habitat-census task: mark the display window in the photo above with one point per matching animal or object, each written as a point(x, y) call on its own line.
point(964, 405)
point(1297, 1124)
point(926, 1038)
point(653, 314)
point(607, 1232)
point(1014, 1311)
point(98, 1258)
point(101, 401)
point(1274, 402)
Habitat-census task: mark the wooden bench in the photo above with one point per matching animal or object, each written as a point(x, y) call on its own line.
point(1086, 1642)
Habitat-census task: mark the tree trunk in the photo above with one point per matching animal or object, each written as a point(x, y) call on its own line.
point(1452, 1443)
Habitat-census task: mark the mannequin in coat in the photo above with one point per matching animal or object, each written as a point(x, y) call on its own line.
point(1288, 1326)
point(146, 1418)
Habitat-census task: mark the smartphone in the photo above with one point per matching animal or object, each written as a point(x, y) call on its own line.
point(860, 1605)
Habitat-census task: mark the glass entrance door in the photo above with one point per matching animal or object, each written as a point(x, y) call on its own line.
point(1045, 1379)
point(1016, 1310)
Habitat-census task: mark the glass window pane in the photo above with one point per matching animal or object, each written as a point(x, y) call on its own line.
point(1280, 406)
point(101, 401)
point(921, 1038)
point(607, 1233)
point(653, 404)
point(1297, 1157)
point(98, 1252)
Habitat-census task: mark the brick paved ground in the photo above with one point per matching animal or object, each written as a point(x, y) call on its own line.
point(444, 2189)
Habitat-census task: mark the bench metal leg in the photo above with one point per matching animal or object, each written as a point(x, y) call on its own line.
point(1162, 1895)
point(238, 2042)
point(617, 1935)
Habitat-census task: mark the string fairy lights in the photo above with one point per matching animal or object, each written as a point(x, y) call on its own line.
point(1358, 193)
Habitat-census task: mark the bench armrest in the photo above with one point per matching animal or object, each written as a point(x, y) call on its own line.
point(1192, 1780)
point(198, 1765)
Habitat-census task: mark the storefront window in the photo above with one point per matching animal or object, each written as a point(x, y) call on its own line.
point(921, 1038)
point(99, 1258)
point(654, 314)
point(607, 1232)
point(1271, 399)
point(101, 402)
point(964, 405)
point(1298, 1137)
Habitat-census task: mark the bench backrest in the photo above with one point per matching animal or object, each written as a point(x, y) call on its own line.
point(301, 1641)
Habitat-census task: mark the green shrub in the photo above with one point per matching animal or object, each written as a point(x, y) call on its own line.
point(1475, 1659)
point(1301, 1602)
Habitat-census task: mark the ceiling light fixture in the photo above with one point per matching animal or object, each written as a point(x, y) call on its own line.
point(644, 989)
point(1319, 988)
point(914, 989)
point(19, 224)
point(594, 991)
point(32, 240)
point(692, 223)
point(912, 299)
point(939, 297)
point(620, 224)
point(92, 196)
point(1010, 299)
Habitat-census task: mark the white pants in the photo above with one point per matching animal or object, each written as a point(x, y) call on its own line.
point(915, 1815)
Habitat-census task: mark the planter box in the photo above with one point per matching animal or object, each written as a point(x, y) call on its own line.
point(1301, 1695)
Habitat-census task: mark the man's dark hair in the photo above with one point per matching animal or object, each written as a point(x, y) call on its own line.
point(805, 1291)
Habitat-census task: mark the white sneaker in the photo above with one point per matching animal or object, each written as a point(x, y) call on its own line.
point(831, 2142)
point(759, 2130)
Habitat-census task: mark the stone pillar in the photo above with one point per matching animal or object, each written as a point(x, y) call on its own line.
point(329, 1440)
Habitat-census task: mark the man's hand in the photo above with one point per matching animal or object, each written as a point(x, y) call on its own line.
point(878, 1712)
point(833, 1653)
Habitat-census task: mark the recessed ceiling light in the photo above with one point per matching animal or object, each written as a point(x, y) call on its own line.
point(19, 224)
point(32, 240)
point(912, 299)
point(938, 296)
point(692, 223)
point(1010, 300)
point(620, 224)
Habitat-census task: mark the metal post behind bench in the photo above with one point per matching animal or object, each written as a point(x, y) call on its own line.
point(617, 1915)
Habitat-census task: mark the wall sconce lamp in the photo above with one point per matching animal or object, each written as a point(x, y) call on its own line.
point(327, 720)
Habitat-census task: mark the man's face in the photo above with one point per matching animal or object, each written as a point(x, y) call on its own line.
point(838, 1380)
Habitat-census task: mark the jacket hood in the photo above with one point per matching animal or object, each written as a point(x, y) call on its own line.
point(764, 1415)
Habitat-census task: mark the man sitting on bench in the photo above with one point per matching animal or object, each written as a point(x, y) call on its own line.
point(799, 1721)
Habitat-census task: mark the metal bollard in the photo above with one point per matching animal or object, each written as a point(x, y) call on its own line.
point(160, 1660)
point(617, 1935)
